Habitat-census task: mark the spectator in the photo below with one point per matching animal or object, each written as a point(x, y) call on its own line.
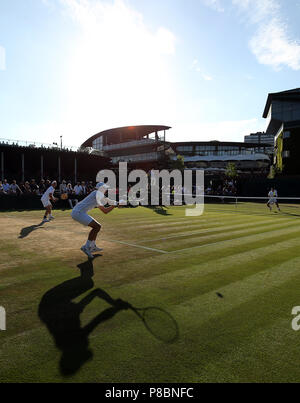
point(90, 187)
point(72, 199)
point(6, 186)
point(34, 187)
point(78, 189)
point(1, 188)
point(42, 187)
point(26, 189)
point(84, 188)
point(14, 188)
point(63, 187)
point(69, 188)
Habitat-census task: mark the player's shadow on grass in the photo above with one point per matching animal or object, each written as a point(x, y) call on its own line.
point(27, 230)
point(62, 317)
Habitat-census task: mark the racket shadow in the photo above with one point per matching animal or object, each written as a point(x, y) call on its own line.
point(160, 323)
point(27, 230)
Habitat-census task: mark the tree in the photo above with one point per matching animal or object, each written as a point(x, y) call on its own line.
point(178, 163)
point(170, 164)
point(231, 171)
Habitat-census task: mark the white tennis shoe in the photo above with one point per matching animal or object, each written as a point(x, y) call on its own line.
point(96, 249)
point(87, 251)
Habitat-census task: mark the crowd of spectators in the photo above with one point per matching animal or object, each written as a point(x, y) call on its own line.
point(32, 188)
point(228, 188)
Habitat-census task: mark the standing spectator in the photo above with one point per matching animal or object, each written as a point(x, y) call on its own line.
point(6, 186)
point(48, 183)
point(14, 188)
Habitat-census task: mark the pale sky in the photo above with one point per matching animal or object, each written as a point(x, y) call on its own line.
point(203, 67)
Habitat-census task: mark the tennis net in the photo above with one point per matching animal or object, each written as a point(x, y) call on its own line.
point(287, 205)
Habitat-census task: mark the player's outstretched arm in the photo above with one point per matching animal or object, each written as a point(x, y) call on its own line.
point(106, 210)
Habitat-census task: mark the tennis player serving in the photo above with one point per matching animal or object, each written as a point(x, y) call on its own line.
point(97, 198)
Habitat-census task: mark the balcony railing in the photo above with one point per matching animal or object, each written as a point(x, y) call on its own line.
point(130, 144)
point(136, 157)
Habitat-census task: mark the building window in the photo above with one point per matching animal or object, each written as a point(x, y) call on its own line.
point(185, 148)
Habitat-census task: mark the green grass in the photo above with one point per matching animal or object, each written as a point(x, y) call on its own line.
point(229, 278)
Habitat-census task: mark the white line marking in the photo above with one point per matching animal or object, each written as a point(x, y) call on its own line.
point(137, 246)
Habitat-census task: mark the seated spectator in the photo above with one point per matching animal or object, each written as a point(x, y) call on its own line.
point(78, 189)
point(63, 187)
point(6, 186)
point(72, 198)
point(42, 187)
point(26, 188)
point(34, 187)
point(84, 188)
point(90, 187)
point(69, 188)
point(1, 188)
point(14, 188)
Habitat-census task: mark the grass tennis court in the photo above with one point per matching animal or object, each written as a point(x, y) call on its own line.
point(229, 279)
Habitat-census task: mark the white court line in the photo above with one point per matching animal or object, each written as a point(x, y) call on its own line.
point(136, 246)
point(179, 250)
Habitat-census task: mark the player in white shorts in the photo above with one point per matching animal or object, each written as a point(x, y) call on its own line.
point(46, 199)
point(273, 199)
point(98, 199)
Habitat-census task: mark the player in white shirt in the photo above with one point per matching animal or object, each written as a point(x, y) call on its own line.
point(95, 199)
point(273, 199)
point(46, 199)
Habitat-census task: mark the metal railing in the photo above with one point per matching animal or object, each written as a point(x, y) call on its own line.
point(35, 144)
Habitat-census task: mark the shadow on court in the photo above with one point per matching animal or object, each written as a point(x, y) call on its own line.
point(27, 230)
point(162, 210)
point(62, 317)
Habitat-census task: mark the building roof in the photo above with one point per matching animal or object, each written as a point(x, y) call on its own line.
point(129, 131)
point(290, 95)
